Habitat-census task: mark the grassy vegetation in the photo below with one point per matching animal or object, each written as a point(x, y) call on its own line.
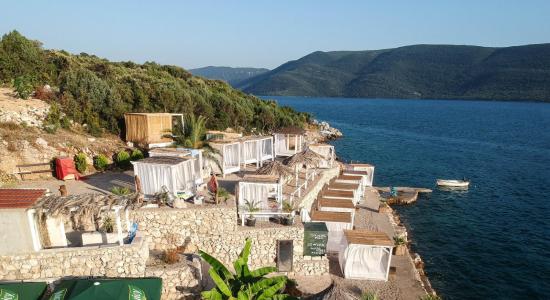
point(419, 71)
point(96, 92)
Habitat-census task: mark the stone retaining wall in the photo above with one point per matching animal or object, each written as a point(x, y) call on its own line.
point(178, 280)
point(52, 264)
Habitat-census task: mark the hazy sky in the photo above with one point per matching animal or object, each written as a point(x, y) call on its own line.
point(268, 33)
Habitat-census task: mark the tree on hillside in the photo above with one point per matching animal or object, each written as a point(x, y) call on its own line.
point(21, 57)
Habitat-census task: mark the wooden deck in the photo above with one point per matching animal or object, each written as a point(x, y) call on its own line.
point(367, 237)
point(330, 216)
point(337, 203)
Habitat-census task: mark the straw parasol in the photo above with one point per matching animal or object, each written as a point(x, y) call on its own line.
point(275, 168)
point(308, 158)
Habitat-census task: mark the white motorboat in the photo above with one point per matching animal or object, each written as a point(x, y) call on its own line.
point(453, 182)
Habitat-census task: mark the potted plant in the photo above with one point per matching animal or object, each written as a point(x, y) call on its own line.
point(250, 206)
point(400, 245)
point(288, 208)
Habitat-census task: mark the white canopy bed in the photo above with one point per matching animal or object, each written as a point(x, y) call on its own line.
point(365, 254)
point(256, 150)
point(177, 174)
point(288, 141)
point(265, 192)
point(230, 156)
point(184, 153)
point(365, 170)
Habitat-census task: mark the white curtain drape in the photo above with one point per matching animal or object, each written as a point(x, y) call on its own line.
point(254, 192)
point(250, 151)
point(281, 143)
point(231, 155)
point(364, 261)
point(267, 147)
point(336, 234)
point(153, 177)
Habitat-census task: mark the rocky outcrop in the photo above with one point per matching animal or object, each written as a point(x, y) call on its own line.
point(327, 132)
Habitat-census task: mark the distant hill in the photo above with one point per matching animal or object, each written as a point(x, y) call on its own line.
point(232, 76)
point(419, 71)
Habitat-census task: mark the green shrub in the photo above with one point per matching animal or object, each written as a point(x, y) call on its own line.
point(369, 296)
point(123, 159)
point(430, 297)
point(80, 162)
point(23, 87)
point(101, 162)
point(137, 155)
point(120, 191)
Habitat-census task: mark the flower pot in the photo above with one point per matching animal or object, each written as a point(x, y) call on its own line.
point(251, 222)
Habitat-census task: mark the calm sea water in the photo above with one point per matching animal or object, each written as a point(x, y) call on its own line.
point(490, 242)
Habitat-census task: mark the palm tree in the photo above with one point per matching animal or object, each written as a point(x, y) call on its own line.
point(244, 283)
point(193, 135)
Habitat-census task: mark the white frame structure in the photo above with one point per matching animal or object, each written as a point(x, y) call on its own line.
point(368, 178)
point(264, 187)
point(335, 225)
point(169, 171)
point(184, 153)
point(327, 151)
point(262, 149)
point(282, 144)
point(225, 147)
point(352, 256)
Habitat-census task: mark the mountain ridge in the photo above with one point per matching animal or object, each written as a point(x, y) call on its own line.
point(232, 75)
point(416, 71)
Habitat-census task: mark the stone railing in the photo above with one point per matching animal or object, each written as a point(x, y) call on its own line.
point(52, 264)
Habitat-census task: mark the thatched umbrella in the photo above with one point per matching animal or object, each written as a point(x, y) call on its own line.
point(307, 158)
point(275, 168)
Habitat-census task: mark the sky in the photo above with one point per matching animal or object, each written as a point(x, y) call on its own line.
point(266, 34)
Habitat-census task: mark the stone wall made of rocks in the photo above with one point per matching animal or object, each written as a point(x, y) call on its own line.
point(178, 280)
point(215, 231)
point(52, 264)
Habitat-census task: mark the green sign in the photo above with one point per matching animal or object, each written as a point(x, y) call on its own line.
point(8, 295)
point(315, 238)
point(136, 293)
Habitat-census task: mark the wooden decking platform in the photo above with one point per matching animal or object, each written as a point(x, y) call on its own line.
point(330, 216)
point(336, 203)
point(337, 194)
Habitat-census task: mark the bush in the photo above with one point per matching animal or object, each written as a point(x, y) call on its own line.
point(171, 256)
point(23, 87)
point(101, 162)
point(123, 159)
point(80, 162)
point(137, 155)
point(120, 190)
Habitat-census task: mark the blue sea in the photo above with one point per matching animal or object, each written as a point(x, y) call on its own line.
point(490, 242)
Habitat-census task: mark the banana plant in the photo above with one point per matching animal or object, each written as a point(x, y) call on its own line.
point(243, 284)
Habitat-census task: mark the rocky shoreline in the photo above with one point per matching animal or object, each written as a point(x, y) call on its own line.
point(326, 131)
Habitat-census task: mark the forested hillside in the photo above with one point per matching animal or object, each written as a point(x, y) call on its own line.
point(97, 92)
point(233, 76)
point(420, 71)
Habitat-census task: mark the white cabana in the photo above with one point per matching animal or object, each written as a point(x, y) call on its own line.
point(355, 188)
point(340, 194)
point(338, 205)
point(336, 223)
point(356, 179)
point(265, 191)
point(327, 152)
point(184, 153)
point(365, 254)
point(177, 174)
point(257, 149)
point(365, 170)
point(288, 141)
point(230, 156)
